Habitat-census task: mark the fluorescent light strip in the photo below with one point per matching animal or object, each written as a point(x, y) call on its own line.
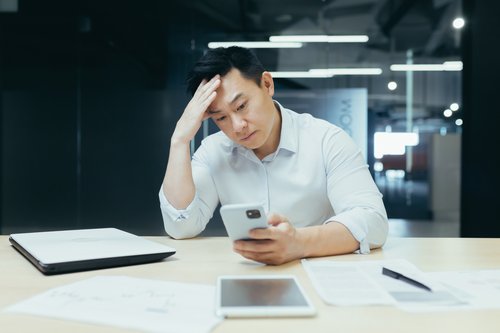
point(327, 72)
point(299, 74)
point(255, 45)
point(347, 71)
point(445, 66)
point(321, 38)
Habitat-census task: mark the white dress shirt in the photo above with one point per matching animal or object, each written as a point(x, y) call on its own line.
point(317, 175)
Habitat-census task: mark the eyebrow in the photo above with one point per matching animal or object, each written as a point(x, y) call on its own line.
point(232, 102)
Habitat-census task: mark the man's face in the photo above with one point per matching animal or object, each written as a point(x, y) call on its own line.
point(245, 112)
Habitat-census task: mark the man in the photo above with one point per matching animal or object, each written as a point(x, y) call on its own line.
point(306, 172)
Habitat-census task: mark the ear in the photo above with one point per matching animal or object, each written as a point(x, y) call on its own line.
point(267, 83)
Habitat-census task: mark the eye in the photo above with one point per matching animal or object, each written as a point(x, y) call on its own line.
point(221, 118)
point(241, 107)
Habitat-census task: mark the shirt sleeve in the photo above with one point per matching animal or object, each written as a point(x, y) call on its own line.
point(355, 198)
point(191, 221)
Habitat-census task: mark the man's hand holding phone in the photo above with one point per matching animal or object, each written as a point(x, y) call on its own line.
point(240, 219)
point(274, 243)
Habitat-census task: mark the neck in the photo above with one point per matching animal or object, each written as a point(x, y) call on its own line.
point(274, 138)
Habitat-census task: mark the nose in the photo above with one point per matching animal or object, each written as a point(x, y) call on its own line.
point(239, 124)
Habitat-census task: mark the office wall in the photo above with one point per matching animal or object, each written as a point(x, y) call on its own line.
point(480, 157)
point(84, 156)
point(38, 159)
point(90, 93)
point(86, 120)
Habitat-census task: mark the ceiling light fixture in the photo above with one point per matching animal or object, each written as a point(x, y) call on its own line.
point(255, 45)
point(348, 71)
point(326, 72)
point(392, 85)
point(454, 106)
point(458, 23)
point(320, 38)
point(299, 74)
point(445, 66)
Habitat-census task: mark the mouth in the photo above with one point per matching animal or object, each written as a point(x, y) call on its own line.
point(248, 137)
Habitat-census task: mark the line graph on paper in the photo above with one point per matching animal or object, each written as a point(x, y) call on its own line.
point(148, 305)
point(143, 298)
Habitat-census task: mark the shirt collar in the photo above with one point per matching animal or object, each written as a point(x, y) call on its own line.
point(288, 136)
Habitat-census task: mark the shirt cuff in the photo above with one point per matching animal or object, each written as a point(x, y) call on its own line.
point(357, 226)
point(175, 215)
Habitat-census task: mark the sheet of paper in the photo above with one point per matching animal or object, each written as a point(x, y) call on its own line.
point(362, 283)
point(141, 304)
point(481, 289)
point(345, 283)
point(411, 298)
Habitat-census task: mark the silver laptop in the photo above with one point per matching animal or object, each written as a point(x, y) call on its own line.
point(54, 252)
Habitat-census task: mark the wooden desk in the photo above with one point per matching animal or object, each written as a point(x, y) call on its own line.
point(202, 260)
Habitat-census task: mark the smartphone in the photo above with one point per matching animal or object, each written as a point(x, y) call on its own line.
point(239, 219)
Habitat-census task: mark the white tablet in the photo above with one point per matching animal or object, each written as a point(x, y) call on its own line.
point(261, 296)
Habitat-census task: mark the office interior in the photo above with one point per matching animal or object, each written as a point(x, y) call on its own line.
point(90, 93)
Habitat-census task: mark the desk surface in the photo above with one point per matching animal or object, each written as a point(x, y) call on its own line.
point(202, 260)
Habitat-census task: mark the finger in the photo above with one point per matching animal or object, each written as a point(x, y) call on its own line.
point(272, 218)
point(209, 89)
point(275, 219)
point(206, 115)
point(268, 258)
point(253, 255)
point(257, 246)
point(200, 86)
point(202, 106)
point(205, 85)
point(262, 233)
point(204, 82)
point(205, 103)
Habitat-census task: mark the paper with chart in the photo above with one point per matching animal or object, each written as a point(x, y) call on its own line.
point(141, 304)
point(362, 283)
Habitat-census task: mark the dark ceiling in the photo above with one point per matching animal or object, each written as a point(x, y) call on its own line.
point(151, 32)
point(139, 27)
point(395, 25)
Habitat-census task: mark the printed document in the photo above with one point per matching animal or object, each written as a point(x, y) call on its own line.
point(346, 283)
point(480, 288)
point(132, 303)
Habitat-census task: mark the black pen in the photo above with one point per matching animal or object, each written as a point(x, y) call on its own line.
point(399, 276)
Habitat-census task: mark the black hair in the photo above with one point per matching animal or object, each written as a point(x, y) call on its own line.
point(221, 61)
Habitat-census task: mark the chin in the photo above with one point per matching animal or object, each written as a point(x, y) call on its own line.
point(251, 145)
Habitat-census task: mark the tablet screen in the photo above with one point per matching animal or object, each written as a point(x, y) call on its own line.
point(261, 292)
point(261, 296)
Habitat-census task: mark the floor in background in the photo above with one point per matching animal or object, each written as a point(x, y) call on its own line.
point(405, 199)
point(423, 228)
